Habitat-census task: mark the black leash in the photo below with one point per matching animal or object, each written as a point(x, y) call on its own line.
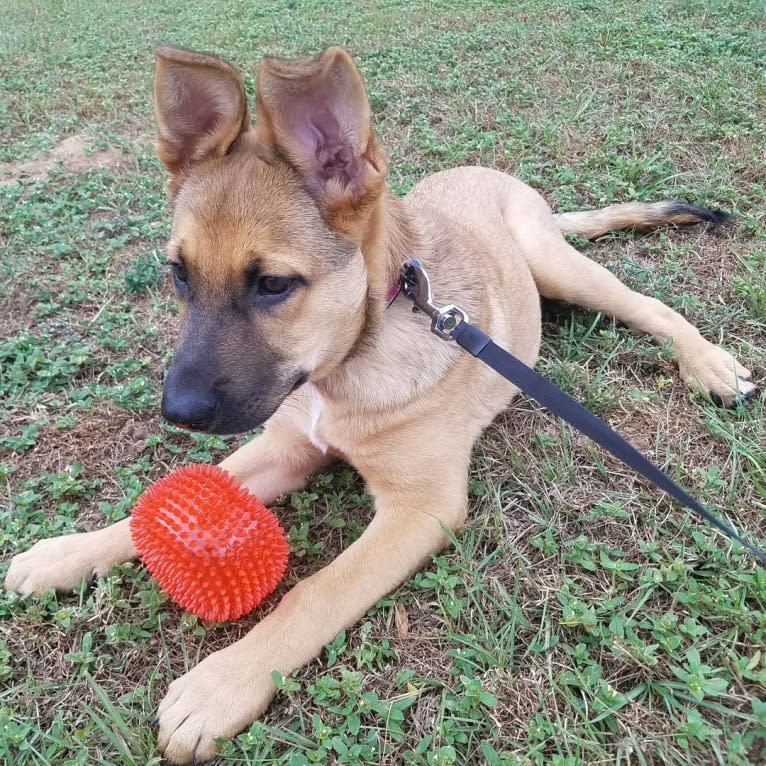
point(452, 323)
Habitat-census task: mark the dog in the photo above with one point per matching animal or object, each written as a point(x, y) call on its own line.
point(286, 247)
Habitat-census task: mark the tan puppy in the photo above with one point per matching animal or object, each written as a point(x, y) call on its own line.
point(285, 243)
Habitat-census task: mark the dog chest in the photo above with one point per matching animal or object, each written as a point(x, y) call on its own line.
point(315, 408)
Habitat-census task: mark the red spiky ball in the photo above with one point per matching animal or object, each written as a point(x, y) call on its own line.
point(213, 547)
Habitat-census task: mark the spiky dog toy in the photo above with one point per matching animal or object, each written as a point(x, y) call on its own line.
point(212, 546)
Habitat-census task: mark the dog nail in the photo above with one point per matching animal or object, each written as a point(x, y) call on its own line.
point(194, 761)
point(746, 397)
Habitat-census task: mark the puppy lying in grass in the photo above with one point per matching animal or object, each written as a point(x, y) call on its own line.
point(285, 246)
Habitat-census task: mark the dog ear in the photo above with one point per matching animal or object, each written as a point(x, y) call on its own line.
point(315, 113)
point(199, 105)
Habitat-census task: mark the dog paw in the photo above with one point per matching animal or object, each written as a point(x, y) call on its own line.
point(60, 563)
point(224, 694)
point(716, 374)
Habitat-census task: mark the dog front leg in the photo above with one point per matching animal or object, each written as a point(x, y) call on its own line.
point(278, 461)
point(229, 689)
point(63, 562)
point(270, 465)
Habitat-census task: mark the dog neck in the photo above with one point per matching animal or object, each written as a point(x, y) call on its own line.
point(389, 240)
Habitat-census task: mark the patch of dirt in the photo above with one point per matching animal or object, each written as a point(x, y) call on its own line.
point(75, 154)
point(101, 440)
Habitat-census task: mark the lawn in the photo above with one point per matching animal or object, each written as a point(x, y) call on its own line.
point(580, 617)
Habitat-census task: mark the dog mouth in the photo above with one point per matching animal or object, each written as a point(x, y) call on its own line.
point(224, 415)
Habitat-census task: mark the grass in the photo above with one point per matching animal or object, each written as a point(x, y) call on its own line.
point(580, 618)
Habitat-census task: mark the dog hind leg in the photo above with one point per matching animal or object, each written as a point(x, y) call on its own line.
point(562, 273)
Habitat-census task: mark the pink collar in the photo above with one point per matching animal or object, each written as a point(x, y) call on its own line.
point(393, 291)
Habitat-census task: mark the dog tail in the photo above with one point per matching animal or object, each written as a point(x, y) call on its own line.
point(636, 215)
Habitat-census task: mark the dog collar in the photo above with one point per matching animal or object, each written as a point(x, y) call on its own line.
point(393, 291)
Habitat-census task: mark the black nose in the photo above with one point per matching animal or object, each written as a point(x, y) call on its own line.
point(187, 403)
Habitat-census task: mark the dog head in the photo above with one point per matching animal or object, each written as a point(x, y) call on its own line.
point(270, 222)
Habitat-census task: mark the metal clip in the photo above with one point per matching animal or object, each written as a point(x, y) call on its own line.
point(417, 287)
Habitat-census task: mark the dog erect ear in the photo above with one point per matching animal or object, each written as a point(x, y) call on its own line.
point(315, 113)
point(200, 107)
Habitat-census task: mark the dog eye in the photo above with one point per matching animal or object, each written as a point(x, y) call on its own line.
point(180, 274)
point(274, 285)
point(266, 290)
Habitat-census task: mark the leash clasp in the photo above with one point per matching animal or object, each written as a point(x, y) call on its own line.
point(417, 287)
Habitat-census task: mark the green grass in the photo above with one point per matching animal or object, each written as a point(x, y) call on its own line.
point(580, 618)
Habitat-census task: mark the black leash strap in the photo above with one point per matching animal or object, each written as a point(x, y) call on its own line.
point(451, 323)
